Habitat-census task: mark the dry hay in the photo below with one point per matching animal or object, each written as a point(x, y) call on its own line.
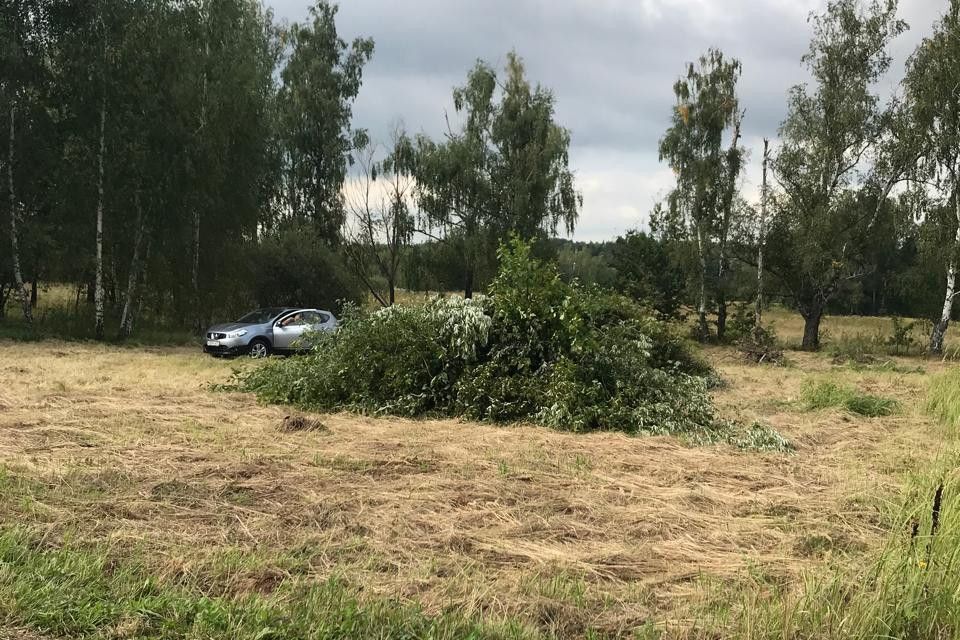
point(133, 449)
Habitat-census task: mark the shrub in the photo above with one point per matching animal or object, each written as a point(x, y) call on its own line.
point(761, 346)
point(538, 349)
point(293, 266)
point(826, 395)
point(397, 360)
point(741, 322)
point(901, 338)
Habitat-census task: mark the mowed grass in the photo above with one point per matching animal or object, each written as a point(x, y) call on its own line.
point(137, 502)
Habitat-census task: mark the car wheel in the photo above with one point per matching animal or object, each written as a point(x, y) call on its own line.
point(259, 348)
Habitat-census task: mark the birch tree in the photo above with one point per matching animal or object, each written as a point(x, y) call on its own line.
point(705, 120)
point(504, 170)
point(381, 221)
point(932, 92)
point(761, 232)
point(321, 79)
point(20, 55)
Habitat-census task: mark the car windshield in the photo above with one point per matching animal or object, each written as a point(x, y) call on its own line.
point(261, 316)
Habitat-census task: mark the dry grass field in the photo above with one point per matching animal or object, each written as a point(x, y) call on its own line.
point(133, 451)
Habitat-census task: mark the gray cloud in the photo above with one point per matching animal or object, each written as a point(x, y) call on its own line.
point(610, 63)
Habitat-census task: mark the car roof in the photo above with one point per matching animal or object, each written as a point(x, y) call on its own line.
point(298, 309)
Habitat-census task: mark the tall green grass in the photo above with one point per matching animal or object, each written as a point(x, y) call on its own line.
point(943, 398)
point(910, 591)
point(65, 323)
point(90, 593)
point(826, 394)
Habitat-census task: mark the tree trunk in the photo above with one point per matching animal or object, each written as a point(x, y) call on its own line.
point(195, 272)
point(468, 283)
point(721, 315)
point(15, 249)
point(703, 330)
point(4, 290)
point(393, 292)
point(98, 292)
point(761, 235)
point(811, 329)
point(133, 276)
point(940, 328)
point(34, 293)
point(142, 285)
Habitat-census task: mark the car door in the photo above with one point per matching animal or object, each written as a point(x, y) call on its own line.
point(288, 330)
point(313, 321)
point(325, 321)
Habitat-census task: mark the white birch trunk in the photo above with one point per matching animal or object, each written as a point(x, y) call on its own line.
point(133, 277)
point(98, 290)
point(940, 328)
point(22, 294)
point(761, 233)
point(704, 330)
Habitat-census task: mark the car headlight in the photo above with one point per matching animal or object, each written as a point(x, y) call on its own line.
point(237, 334)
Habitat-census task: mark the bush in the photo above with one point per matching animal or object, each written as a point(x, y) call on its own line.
point(538, 349)
point(398, 360)
point(761, 346)
point(294, 267)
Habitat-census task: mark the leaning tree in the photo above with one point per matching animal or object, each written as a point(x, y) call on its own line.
point(815, 242)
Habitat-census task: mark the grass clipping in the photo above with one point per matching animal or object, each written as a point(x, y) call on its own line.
point(537, 350)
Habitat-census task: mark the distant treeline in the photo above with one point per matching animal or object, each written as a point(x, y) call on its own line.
point(181, 160)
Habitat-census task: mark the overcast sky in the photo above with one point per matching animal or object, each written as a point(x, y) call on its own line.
point(610, 63)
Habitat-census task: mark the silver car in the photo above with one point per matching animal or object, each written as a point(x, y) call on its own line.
point(266, 331)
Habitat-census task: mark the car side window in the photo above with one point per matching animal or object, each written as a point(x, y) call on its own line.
point(292, 321)
point(324, 318)
point(311, 317)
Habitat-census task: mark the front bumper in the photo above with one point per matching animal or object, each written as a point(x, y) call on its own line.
point(225, 346)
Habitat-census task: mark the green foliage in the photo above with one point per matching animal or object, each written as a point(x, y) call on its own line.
point(864, 348)
point(505, 171)
point(78, 592)
point(700, 208)
point(538, 349)
point(818, 235)
point(759, 437)
point(586, 265)
point(742, 322)
point(649, 272)
point(760, 345)
point(930, 145)
point(901, 338)
point(292, 266)
point(400, 360)
point(825, 394)
point(314, 122)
